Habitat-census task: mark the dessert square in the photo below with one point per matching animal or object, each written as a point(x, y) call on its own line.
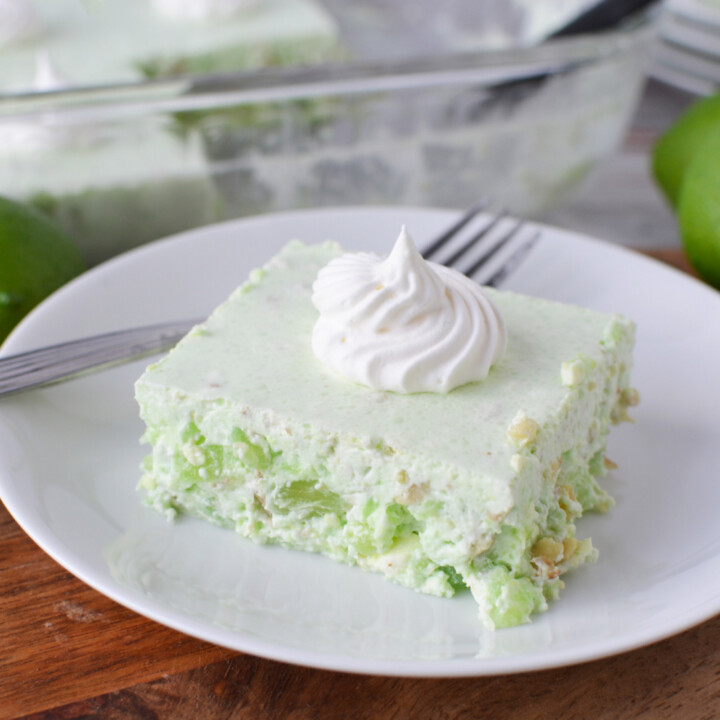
point(478, 487)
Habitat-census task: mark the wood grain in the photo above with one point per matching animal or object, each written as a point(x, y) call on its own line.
point(61, 641)
point(67, 652)
point(676, 258)
point(677, 678)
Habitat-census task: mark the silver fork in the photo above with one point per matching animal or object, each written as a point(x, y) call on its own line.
point(64, 361)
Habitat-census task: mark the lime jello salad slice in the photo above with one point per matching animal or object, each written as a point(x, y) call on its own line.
point(397, 417)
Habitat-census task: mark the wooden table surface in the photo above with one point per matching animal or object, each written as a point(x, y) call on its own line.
point(67, 652)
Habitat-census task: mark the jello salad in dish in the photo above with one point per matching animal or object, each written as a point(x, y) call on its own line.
point(392, 414)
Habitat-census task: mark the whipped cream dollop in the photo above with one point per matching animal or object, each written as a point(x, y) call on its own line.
point(404, 324)
point(201, 9)
point(18, 21)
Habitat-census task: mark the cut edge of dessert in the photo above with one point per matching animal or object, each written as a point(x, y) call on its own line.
point(504, 526)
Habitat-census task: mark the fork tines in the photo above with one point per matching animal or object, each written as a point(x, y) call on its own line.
point(470, 255)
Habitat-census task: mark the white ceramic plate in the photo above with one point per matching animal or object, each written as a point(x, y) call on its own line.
point(69, 458)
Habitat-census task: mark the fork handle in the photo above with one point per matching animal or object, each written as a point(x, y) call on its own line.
point(56, 363)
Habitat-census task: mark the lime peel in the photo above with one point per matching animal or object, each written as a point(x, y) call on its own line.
point(36, 259)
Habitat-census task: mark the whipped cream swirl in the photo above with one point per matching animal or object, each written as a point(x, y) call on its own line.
point(404, 324)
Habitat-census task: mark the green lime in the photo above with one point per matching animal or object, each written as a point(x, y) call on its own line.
point(36, 258)
point(676, 149)
point(699, 210)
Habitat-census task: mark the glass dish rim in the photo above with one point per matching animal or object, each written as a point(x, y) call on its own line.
point(557, 57)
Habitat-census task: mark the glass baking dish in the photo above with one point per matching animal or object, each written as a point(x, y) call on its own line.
point(120, 164)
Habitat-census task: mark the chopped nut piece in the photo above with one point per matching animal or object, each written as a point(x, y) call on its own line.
point(518, 462)
point(478, 547)
point(609, 464)
point(566, 491)
point(545, 569)
point(412, 495)
point(630, 397)
point(193, 454)
point(553, 470)
point(548, 549)
point(522, 430)
point(619, 414)
point(572, 374)
point(570, 545)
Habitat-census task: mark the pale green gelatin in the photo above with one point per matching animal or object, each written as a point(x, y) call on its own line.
point(250, 431)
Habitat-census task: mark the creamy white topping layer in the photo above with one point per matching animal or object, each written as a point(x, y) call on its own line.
point(404, 324)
